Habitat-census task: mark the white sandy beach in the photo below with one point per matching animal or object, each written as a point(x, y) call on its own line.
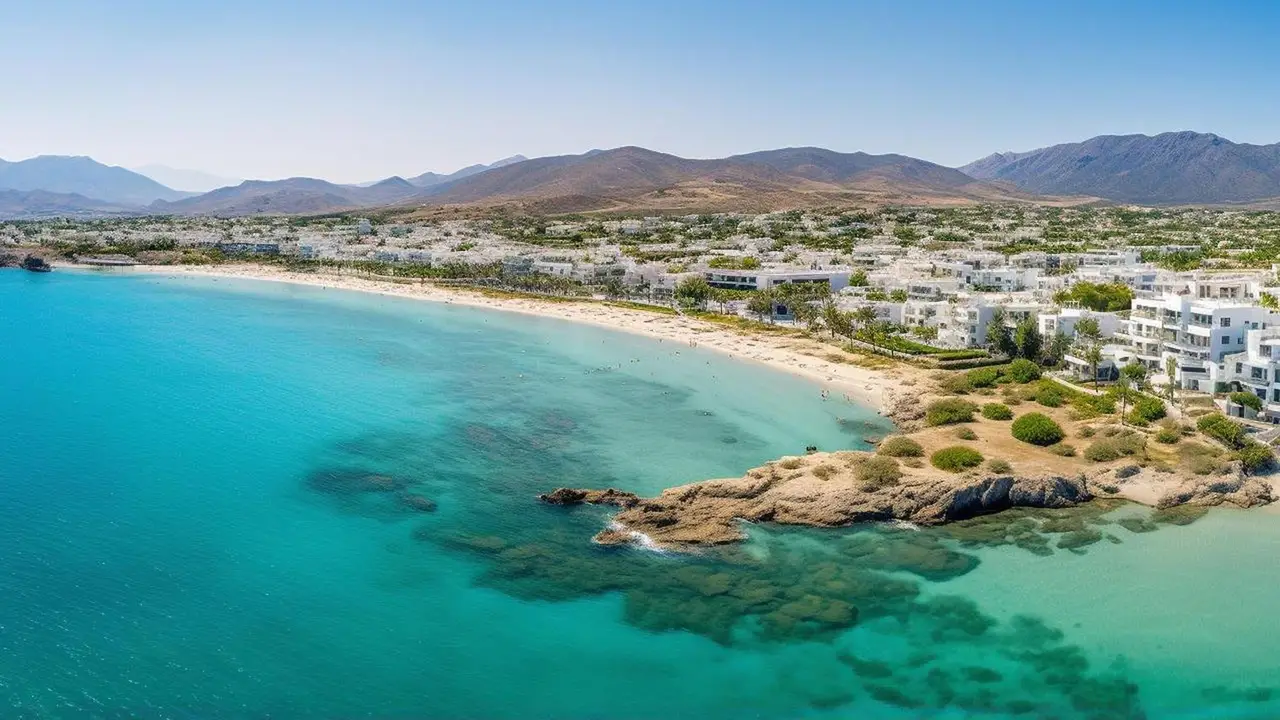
point(799, 356)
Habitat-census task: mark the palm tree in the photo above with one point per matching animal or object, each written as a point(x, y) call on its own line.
point(1122, 389)
point(832, 318)
point(1171, 369)
point(1093, 355)
point(865, 316)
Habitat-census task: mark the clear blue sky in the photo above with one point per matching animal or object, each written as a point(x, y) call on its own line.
point(355, 91)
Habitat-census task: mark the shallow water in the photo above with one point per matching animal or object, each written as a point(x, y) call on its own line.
point(214, 499)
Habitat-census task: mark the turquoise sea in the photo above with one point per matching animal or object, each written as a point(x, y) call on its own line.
point(232, 499)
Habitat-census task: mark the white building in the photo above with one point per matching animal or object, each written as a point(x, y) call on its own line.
point(835, 280)
point(1256, 370)
point(1198, 333)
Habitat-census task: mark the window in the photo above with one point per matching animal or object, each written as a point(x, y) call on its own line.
point(1226, 322)
point(1264, 351)
point(1226, 339)
point(1239, 368)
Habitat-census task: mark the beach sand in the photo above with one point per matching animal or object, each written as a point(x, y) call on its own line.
point(797, 355)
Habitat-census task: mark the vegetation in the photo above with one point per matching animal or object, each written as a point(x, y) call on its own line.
point(1037, 429)
point(878, 472)
point(997, 411)
point(956, 458)
point(1246, 399)
point(1022, 371)
point(900, 446)
point(1002, 467)
point(1099, 297)
point(1146, 410)
point(1113, 448)
point(949, 411)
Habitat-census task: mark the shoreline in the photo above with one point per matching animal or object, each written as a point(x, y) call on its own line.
point(796, 356)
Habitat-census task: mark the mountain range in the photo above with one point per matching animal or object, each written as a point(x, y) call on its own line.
point(1173, 168)
point(1182, 168)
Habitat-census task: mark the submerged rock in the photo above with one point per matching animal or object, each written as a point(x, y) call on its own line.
point(570, 496)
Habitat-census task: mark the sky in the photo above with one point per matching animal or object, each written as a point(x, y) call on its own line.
point(357, 91)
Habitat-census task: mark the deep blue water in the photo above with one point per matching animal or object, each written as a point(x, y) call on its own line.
point(203, 514)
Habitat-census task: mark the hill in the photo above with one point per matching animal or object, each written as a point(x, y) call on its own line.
point(295, 196)
point(634, 179)
point(1166, 169)
point(430, 179)
point(84, 176)
point(41, 204)
point(191, 181)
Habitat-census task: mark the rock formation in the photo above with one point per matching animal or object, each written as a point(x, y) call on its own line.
point(820, 490)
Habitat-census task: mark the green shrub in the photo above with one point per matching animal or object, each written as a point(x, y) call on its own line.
point(1087, 431)
point(1115, 448)
point(956, 385)
point(900, 446)
point(956, 458)
point(965, 433)
point(1022, 371)
point(949, 412)
point(1199, 459)
point(1219, 427)
point(996, 465)
point(997, 411)
point(1247, 399)
point(1037, 429)
point(1167, 436)
point(1062, 449)
point(983, 377)
point(878, 472)
point(1146, 410)
point(1255, 456)
point(1049, 397)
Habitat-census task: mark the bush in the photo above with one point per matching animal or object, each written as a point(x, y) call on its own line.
point(899, 446)
point(983, 377)
point(1246, 399)
point(1220, 428)
point(949, 412)
point(1062, 449)
point(1049, 397)
point(1146, 410)
point(956, 458)
point(997, 411)
point(1087, 431)
point(878, 472)
point(1037, 429)
point(1114, 448)
point(996, 465)
point(956, 385)
point(1255, 456)
point(965, 433)
point(1167, 436)
point(1022, 371)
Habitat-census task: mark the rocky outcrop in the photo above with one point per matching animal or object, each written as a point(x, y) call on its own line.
point(1235, 489)
point(820, 490)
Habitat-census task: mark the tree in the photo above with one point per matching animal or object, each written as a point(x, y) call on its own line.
point(859, 279)
point(927, 333)
point(1055, 350)
point(1092, 354)
point(1087, 329)
point(614, 288)
point(1123, 388)
point(863, 317)
point(760, 304)
point(1267, 300)
point(1136, 373)
point(898, 295)
point(836, 321)
point(804, 313)
point(693, 292)
point(1027, 339)
point(1170, 369)
point(999, 337)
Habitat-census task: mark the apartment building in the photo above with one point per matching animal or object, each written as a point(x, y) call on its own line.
point(1256, 370)
point(1198, 333)
point(835, 280)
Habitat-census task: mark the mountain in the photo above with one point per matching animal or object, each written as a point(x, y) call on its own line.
point(40, 204)
point(430, 179)
point(1166, 169)
point(83, 176)
point(295, 196)
point(195, 181)
point(633, 178)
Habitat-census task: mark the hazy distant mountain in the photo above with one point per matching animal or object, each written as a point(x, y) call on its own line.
point(430, 179)
point(195, 181)
point(633, 178)
point(1170, 168)
point(295, 196)
point(83, 176)
point(39, 204)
